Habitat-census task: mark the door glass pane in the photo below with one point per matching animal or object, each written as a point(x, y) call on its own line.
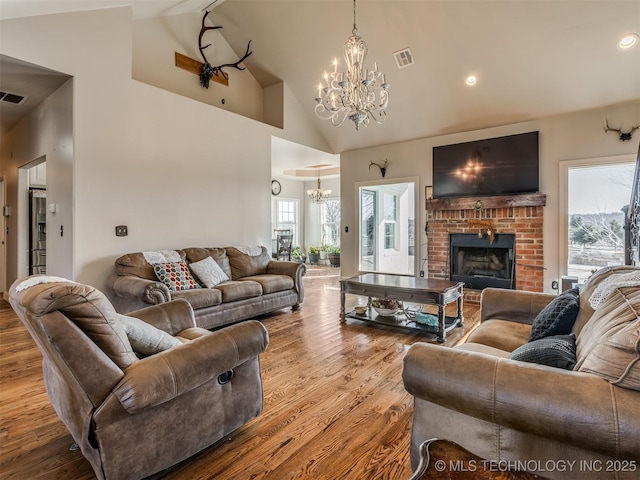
point(387, 222)
point(597, 198)
point(367, 232)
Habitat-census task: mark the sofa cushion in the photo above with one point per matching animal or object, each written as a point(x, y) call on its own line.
point(195, 254)
point(558, 317)
point(200, 298)
point(271, 283)
point(208, 272)
point(135, 264)
point(609, 344)
point(248, 264)
point(587, 291)
point(145, 338)
point(236, 290)
point(176, 276)
point(555, 351)
point(501, 334)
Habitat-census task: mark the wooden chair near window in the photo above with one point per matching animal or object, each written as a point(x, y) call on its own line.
point(284, 240)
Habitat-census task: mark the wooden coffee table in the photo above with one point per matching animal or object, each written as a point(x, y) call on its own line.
point(406, 289)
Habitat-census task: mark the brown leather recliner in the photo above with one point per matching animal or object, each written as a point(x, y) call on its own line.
point(133, 417)
point(562, 424)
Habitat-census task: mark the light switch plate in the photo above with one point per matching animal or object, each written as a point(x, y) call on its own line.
point(121, 231)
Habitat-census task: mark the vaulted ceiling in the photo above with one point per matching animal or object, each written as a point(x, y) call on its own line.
point(532, 58)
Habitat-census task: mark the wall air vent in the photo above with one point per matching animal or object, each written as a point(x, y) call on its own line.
point(14, 98)
point(404, 58)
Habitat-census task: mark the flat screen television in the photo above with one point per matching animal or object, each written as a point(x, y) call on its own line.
point(495, 166)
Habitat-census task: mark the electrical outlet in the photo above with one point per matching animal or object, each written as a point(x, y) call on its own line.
point(121, 231)
point(554, 285)
point(421, 273)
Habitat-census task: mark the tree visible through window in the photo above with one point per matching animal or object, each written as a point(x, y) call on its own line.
point(330, 222)
point(597, 197)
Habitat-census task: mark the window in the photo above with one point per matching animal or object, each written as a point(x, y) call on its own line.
point(286, 216)
point(330, 222)
point(597, 195)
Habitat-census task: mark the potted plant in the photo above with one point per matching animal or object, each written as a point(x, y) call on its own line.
point(298, 255)
point(334, 256)
point(314, 255)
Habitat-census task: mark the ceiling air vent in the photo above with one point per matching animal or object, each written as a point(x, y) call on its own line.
point(404, 58)
point(14, 98)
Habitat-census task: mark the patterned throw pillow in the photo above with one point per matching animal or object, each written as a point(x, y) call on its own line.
point(176, 276)
point(558, 317)
point(209, 272)
point(556, 351)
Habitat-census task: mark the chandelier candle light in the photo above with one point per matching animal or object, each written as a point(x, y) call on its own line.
point(357, 94)
point(318, 195)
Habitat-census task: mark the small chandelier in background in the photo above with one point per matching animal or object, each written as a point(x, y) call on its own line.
point(357, 94)
point(318, 195)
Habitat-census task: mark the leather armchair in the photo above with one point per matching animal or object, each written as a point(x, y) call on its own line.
point(133, 417)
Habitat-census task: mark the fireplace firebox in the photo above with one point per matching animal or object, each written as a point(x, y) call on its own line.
point(480, 263)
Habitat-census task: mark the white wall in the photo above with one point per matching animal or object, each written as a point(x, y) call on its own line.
point(46, 132)
point(155, 41)
point(177, 171)
point(563, 137)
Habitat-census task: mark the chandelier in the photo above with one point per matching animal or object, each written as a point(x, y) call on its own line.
point(357, 94)
point(318, 195)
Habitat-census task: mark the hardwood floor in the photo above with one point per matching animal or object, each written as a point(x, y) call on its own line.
point(334, 404)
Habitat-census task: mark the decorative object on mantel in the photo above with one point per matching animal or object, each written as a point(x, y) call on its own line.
point(624, 137)
point(383, 167)
point(206, 71)
point(483, 226)
point(358, 94)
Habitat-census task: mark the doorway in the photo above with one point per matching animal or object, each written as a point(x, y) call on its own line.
point(386, 222)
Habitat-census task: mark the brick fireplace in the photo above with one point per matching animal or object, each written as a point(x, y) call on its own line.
point(487, 218)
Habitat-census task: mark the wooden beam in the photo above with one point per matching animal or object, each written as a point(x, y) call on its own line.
point(503, 201)
point(194, 66)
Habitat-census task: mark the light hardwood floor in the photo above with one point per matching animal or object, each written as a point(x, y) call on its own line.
point(334, 404)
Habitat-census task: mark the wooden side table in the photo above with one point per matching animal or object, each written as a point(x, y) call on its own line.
point(445, 460)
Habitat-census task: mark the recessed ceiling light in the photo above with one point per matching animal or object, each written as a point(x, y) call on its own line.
point(628, 41)
point(471, 80)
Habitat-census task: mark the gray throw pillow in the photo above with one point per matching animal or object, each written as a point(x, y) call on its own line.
point(556, 351)
point(146, 339)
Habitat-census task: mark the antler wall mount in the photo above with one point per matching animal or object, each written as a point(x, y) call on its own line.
point(382, 167)
point(206, 71)
point(624, 136)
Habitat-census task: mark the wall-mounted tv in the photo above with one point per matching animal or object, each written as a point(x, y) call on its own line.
point(495, 166)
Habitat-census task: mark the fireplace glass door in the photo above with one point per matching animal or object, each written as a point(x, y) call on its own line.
point(480, 263)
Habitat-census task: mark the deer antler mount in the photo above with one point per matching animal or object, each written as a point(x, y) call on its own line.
point(382, 167)
point(208, 71)
point(623, 136)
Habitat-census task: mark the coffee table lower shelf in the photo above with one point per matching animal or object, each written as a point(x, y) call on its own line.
point(400, 320)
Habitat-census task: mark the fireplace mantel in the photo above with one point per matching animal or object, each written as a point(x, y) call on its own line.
point(500, 201)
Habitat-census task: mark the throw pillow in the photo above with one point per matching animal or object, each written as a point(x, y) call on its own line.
point(146, 339)
point(176, 276)
point(209, 272)
point(558, 317)
point(556, 351)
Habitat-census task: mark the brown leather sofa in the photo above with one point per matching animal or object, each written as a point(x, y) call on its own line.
point(561, 424)
point(257, 285)
point(133, 417)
